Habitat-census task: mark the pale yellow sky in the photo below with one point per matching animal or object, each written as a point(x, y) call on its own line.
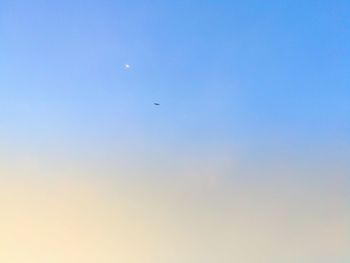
point(92, 220)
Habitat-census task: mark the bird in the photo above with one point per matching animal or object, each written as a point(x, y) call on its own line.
point(155, 103)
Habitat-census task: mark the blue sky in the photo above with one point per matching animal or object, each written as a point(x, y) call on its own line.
point(223, 70)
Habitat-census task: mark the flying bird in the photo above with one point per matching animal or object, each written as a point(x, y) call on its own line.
point(155, 103)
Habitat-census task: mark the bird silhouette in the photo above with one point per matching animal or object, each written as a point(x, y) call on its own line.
point(155, 103)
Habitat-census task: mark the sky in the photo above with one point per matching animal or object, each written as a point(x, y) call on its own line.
point(244, 160)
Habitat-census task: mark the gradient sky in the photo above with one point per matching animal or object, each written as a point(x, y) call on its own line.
point(253, 124)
